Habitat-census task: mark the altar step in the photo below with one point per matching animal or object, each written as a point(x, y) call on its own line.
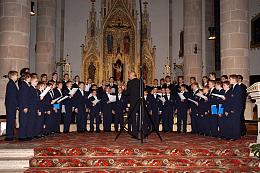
point(14, 160)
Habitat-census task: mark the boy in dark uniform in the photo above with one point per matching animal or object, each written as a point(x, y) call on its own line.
point(193, 106)
point(39, 122)
point(80, 98)
point(225, 119)
point(34, 108)
point(119, 109)
point(24, 102)
point(95, 112)
point(107, 110)
point(168, 111)
point(68, 104)
point(50, 111)
point(182, 108)
point(213, 118)
point(57, 94)
point(237, 107)
point(155, 108)
point(11, 104)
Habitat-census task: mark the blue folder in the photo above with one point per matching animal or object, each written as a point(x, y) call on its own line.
point(220, 109)
point(214, 110)
point(56, 106)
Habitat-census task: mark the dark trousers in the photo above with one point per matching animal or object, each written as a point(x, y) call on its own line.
point(235, 125)
point(194, 122)
point(242, 122)
point(31, 132)
point(23, 124)
point(107, 119)
point(57, 121)
point(167, 121)
point(94, 115)
point(119, 119)
point(39, 123)
point(10, 122)
point(81, 120)
point(222, 126)
point(214, 125)
point(182, 120)
point(49, 122)
point(67, 119)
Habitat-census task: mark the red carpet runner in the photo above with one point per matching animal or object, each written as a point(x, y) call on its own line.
point(177, 153)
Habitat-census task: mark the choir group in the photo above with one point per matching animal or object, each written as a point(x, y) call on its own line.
point(216, 107)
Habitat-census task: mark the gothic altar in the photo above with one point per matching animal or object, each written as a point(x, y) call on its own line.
point(112, 44)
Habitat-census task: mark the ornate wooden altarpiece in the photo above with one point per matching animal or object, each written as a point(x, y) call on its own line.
point(112, 44)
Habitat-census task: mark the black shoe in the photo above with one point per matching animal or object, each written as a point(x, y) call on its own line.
point(9, 139)
point(22, 139)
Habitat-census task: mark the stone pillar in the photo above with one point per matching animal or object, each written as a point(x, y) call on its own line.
point(234, 38)
point(192, 39)
point(14, 35)
point(14, 40)
point(45, 38)
point(209, 64)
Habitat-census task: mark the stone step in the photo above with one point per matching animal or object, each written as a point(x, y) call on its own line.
point(145, 170)
point(145, 161)
point(15, 160)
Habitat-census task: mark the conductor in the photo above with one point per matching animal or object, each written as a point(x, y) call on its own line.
point(133, 93)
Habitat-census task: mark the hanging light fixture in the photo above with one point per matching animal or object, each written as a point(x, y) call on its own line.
point(212, 33)
point(32, 10)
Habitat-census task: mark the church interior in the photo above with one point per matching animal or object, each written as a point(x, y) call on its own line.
point(99, 39)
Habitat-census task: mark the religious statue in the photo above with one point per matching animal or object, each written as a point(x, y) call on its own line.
point(117, 67)
point(145, 72)
point(92, 31)
point(110, 42)
point(91, 71)
point(126, 44)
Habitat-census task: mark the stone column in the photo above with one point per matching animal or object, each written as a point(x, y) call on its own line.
point(14, 40)
point(192, 37)
point(234, 38)
point(14, 35)
point(45, 38)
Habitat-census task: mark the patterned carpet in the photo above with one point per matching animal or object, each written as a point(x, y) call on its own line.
point(91, 152)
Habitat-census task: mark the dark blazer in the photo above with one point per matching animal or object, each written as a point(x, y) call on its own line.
point(236, 96)
point(133, 91)
point(23, 95)
point(94, 108)
point(169, 104)
point(75, 85)
point(80, 100)
point(11, 95)
point(120, 105)
point(34, 99)
point(244, 94)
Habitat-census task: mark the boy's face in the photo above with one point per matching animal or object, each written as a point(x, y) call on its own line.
point(94, 93)
point(218, 87)
point(182, 88)
point(44, 78)
point(34, 82)
point(14, 77)
point(163, 90)
point(225, 87)
point(120, 90)
point(168, 91)
point(42, 87)
point(28, 79)
point(211, 85)
point(60, 86)
point(205, 90)
point(82, 86)
point(232, 81)
point(69, 85)
point(155, 90)
point(145, 93)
